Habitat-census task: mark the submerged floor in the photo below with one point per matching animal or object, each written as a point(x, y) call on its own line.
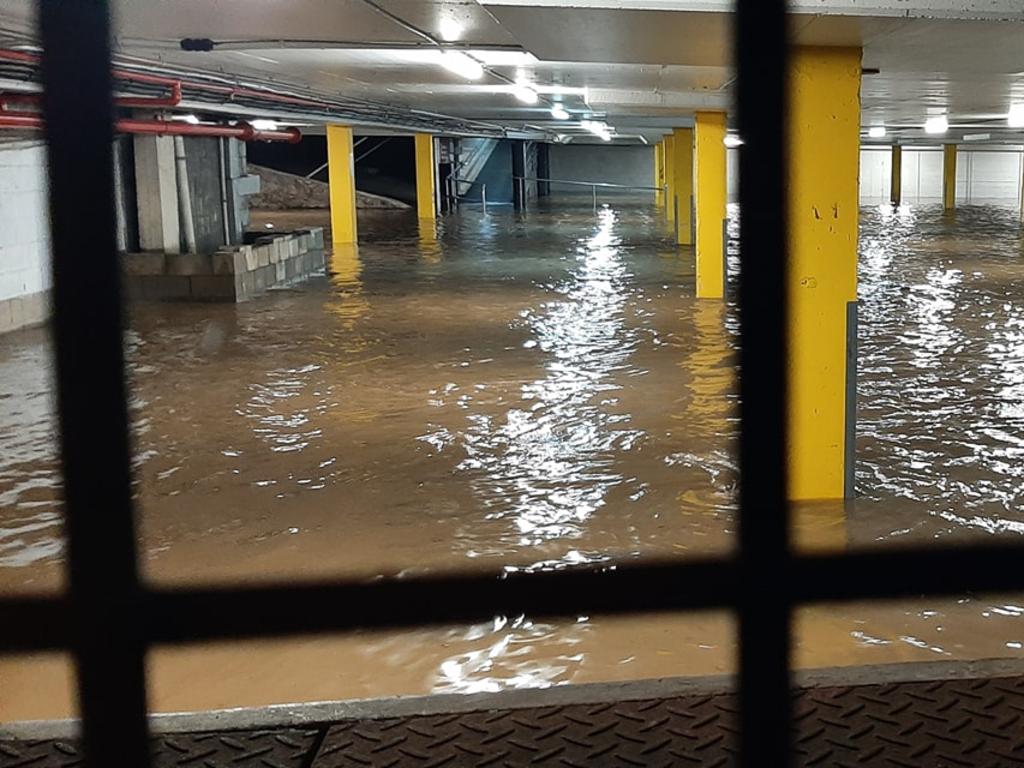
point(526, 393)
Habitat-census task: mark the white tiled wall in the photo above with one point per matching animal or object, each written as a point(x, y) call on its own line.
point(24, 225)
point(981, 175)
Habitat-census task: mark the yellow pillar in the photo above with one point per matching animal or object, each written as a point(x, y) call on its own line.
point(682, 180)
point(426, 182)
point(342, 177)
point(710, 180)
point(659, 172)
point(824, 159)
point(670, 182)
point(896, 179)
point(949, 176)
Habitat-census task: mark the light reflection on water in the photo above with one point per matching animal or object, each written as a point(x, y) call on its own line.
point(529, 393)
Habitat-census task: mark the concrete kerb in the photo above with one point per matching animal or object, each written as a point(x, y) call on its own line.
point(325, 713)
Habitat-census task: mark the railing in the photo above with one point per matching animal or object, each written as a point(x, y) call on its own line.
point(594, 186)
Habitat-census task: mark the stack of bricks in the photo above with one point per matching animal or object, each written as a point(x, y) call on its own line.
point(234, 273)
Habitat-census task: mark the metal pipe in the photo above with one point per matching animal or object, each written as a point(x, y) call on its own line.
point(593, 191)
point(243, 131)
point(184, 195)
point(483, 196)
point(224, 190)
point(144, 102)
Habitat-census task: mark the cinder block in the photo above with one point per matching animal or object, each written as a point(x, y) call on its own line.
point(149, 263)
point(134, 287)
point(245, 286)
point(280, 273)
point(249, 254)
point(228, 263)
point(293, 247)
point(262, 255)
point(317, 233)
point(278, 251)
point(302, 240)
point(189, 264)
point(166, 287)
point(319, 261)
point(212, 287)
point(6, 319)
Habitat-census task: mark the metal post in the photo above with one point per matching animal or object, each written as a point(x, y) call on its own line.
point(765, 601)
point(107, 632)
point(593, 190)
point(483, 197)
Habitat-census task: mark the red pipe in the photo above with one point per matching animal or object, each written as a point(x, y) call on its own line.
point(35, 99)
point(243, 131)
point(231, 92)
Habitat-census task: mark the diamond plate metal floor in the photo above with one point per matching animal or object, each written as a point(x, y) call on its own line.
point(910, 715)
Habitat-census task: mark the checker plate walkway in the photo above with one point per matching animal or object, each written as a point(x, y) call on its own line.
point(924, 715)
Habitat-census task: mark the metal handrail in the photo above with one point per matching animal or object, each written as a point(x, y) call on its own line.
point(603, 184)
point(592, 184)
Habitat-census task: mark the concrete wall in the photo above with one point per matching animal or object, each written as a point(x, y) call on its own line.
point(24, 235)
point(202, 156)
point(496, 174)
point(630, 165)
point(982, 175)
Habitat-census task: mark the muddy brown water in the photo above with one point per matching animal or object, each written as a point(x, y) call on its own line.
point(523, 393)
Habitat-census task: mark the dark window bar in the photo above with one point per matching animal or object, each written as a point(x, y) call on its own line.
point(107, 619)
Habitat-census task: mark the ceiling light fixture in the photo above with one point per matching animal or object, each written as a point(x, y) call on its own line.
point(462, 64)
point(1016, 117)
point(264, 125)
point(877, 131)
point(939, 124)
point(525, 93)
point(450, 29)
point(190, 119)
point(732, 141)
point(559, 112)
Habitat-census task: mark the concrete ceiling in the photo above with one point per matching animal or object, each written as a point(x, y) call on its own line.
point(642, 65)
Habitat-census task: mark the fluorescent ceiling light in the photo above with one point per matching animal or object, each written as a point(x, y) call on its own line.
point(876, 131)
point(977, 136)
point(732, 141)
point(503, 58)
point(190, 119)
point(1016, 117)
point(525, 94)
point(450, 29)
point(264, 125)
point(462, 65)
point(939, 124)
point(558, 112)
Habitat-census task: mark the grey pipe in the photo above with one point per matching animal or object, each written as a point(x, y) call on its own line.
point(184, 195)
point(224, 191)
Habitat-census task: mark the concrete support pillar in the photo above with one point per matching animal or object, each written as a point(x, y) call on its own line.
point(824, 158)
point(518, 174)
point(659, 173)
point(682, 180)
point(426, 176)
point(670, 182)
point(544, 169)
point(949, 176)
point(710, 183)
point(896, 179)
point(341, 174)
point(156, 192)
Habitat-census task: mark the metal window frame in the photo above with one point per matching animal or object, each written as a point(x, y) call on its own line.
point(108, 617)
